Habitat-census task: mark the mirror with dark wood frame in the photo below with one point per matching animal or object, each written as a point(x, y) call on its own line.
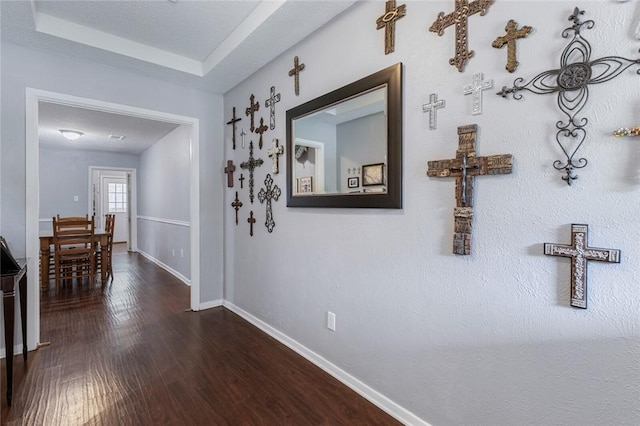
point(345, 147)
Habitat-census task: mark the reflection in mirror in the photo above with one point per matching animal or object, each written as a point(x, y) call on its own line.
point(345, 147)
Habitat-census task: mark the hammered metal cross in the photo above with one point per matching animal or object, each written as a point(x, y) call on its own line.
point(475, 89)
point(388, 22)
point(272, 192)
point(432, 108)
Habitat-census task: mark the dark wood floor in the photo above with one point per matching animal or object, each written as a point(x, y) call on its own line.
point(129, 354)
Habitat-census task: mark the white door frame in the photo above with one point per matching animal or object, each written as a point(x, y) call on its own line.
point(32, 99)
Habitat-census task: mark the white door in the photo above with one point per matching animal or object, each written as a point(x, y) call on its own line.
point(116, 201)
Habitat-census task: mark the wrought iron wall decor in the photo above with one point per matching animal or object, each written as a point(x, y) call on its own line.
point(432, 108)
point(580, 254)
point(459, 17)
point(513, 33)
point(295, 73)
point(236, 204)
point(627, 131)
point(571, 81)
point(233, 122)
point(388, 22)
point(251, 165)
point(251, 110)
point(271, 104)
point(475, 90)
point(270, 193)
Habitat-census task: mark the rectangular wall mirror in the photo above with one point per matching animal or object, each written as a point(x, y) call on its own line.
point(345, 147)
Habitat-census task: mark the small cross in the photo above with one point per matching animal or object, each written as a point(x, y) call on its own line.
point(271, 193)
point(459, 17)
point(476, 89)
point(251, 221)
point(229, 171)
point(388, 22)
point(233, 122)
point(465, 167)
point(241, 181)
point(251, 166)
point(236, 205)
point(432, 108)
point(580, 253)
point(255, 106)
point(271, 103)
point(510, 40)
point(260, 130)
point(243, 134)
point(295, 73)
point(275, 152)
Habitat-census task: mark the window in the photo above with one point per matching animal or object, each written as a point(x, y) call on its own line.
point(117, 197)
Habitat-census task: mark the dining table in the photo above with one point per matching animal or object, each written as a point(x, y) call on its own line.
point(46, 252)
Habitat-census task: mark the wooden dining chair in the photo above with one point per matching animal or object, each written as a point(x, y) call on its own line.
point(73, 249)
point(109, 226)
point(83, 220)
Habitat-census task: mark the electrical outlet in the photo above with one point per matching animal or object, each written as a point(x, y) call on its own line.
point(76, 198)
point(331, 321)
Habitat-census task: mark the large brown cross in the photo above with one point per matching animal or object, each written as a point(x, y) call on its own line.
point(251, 221)
point(580, 253)
point(459, 17)
point(465, 167)
point(388, 22)
point(233, 122)
point(229, 171)
point(510, 40)
point(236, 205)
point(295, 73)
point(260, 130)
point(255, 106)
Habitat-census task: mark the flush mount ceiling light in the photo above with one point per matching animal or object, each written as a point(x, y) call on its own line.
point(72, 135)
point(117, 137)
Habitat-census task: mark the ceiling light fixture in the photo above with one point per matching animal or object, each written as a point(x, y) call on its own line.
point(72, 135)
point(117, 137)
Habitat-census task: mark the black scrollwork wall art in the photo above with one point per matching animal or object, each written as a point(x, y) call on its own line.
point(571, 81)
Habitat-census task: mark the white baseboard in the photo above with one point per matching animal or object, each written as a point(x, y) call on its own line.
point(211, 304)
point(167, 268)
point(17, 350)
point(375, 397)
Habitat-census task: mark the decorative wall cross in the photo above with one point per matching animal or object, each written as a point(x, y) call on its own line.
point(260, 130)
point(571, 82)
point(475, 89)
point(459, 17)
point(241, 181)
point(271, 193)
point(271, 104)
point(233, 122)
point(243, 134)
point(295, 73)
point(465, 167)
point(275, 152)
point(388, 22)
point(251, 221)
point(432, 108)
point(250, 111)
point(510, 40)
point(229, 171)
point(580, 253)
point(236, 205)
point(251, 166)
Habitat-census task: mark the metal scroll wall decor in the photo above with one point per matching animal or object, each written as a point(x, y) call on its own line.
point(233, 122)
point(270, 193)
point(295, 73)
point(432, 108)
point(513, 33)
point(251, 165)
point(271, 104)
point(571, 81)
point(388, 22)
point(580, 253)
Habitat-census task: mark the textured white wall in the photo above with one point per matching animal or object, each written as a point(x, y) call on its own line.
point(488, 338)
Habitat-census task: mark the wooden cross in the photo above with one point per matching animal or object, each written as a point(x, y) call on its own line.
point(251, 221)
point(295, 72)
point(229, 171)
point(241, 181)
point(271, 103)
point(275, 152)
point(243, 134)
point(251, 110)
point(271, 193)
point(260, 130)
point(233, 122)
point(251, 166)
point(475, 89)
point(236, 205)
point(580, 253)
point(459, 17)
point(465, 167)
point(510, 40)
point(388, 22)
point(432, 108)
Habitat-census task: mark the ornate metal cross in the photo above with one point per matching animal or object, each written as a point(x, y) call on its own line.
point(233, 122)
point(241, 181)
point(580, 253)
point(271, 193)
point(236, 205)
point(295, 72)
point(251, 221)
point(275, 152)
point(271, 104)
point(251, 166)
point(510, 40)
point(475, 89)
point(432, 108)
point(388, 22)
point(229, 171)
point(260, 130)
point(465, 167)
point(571, 82)
point(250, 111)
point(459, 17)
